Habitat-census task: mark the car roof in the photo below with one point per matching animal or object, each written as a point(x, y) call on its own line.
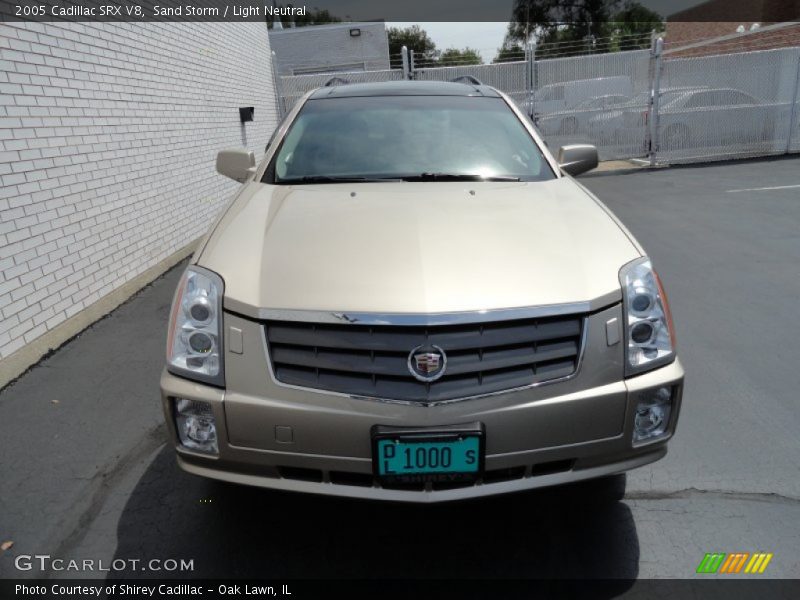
point(404, 88)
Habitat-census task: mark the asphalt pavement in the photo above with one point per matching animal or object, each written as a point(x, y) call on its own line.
point(85, 472)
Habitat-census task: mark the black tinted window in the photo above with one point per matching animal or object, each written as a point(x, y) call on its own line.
point(736, 98)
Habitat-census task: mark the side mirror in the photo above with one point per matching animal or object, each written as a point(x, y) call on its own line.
point(577, 158)
point(238, 164)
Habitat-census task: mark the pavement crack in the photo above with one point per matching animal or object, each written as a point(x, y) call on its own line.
point(692, 491)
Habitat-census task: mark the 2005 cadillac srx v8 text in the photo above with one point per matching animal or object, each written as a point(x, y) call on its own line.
point(411, 299)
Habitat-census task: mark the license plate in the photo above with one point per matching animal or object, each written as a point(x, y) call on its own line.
point(438, 456)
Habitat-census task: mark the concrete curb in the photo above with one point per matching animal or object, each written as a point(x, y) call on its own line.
point(20, 361)
point(608, 172)
point(620, 167)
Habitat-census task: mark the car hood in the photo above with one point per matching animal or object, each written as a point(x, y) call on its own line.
point(416, 247)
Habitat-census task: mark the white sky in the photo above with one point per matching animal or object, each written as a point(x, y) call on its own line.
point(486, 38)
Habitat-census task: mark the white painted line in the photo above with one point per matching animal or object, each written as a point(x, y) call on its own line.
point(765, 189)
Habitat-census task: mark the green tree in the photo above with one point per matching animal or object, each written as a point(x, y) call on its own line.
point(414, 38)
point(550, 21)
point(456, 57)
point(509, 52)
point(313, 16)
point(629, 26)
point(561, 27)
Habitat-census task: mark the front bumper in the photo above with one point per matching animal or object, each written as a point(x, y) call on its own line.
point(281, 443)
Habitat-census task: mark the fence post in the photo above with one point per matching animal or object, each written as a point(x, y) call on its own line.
point(279, 99)
point(411, 67)
point(655, 93)
point(527, 99)
point(793, 109)
point(530, 51)
point(406, 70)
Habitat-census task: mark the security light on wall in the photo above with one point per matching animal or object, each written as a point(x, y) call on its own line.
point(355, 32)
point(246, 113)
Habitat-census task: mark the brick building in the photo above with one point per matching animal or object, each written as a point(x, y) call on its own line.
point(108, 138)
point(722, 27)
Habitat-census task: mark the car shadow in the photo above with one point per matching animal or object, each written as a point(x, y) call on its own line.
point(241, 532)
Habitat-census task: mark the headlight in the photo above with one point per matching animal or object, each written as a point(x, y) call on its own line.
point(194, 342)
point(649, 335)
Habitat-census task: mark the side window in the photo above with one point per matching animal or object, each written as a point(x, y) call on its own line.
point(739, 98)
point(701, 99)
point(723, 98)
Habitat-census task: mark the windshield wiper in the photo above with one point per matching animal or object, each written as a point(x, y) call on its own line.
point(334, 179)
point(458, 177)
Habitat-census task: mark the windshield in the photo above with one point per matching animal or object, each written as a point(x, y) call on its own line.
point(417, 138)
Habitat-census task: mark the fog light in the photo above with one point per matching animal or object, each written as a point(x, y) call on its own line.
point(197, 429)
point(652, 414)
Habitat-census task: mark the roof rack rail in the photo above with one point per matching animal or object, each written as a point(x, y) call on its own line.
point(467, 79)
point(335, 81)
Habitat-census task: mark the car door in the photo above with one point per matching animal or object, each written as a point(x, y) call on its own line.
point(731, 124)
point(753, 120)
point(701, 117)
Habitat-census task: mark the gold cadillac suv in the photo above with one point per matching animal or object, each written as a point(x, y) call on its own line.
point(411, 299)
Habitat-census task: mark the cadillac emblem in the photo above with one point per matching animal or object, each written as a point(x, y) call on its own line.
point(427, 363)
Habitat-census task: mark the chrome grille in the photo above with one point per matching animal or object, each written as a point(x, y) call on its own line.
point(372, 361)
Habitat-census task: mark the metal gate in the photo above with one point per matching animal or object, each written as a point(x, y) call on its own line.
point(726, 106)
point(600, 99)
point(633, 104)
point(513, 78)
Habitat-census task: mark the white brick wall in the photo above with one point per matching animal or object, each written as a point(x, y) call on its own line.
point(108, 140)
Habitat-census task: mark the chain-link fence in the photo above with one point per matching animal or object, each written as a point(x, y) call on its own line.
point(794, 120)
point(513, 78)
point(731, 105)
point(590, 99)
point(293, 87)
point(631, 104)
